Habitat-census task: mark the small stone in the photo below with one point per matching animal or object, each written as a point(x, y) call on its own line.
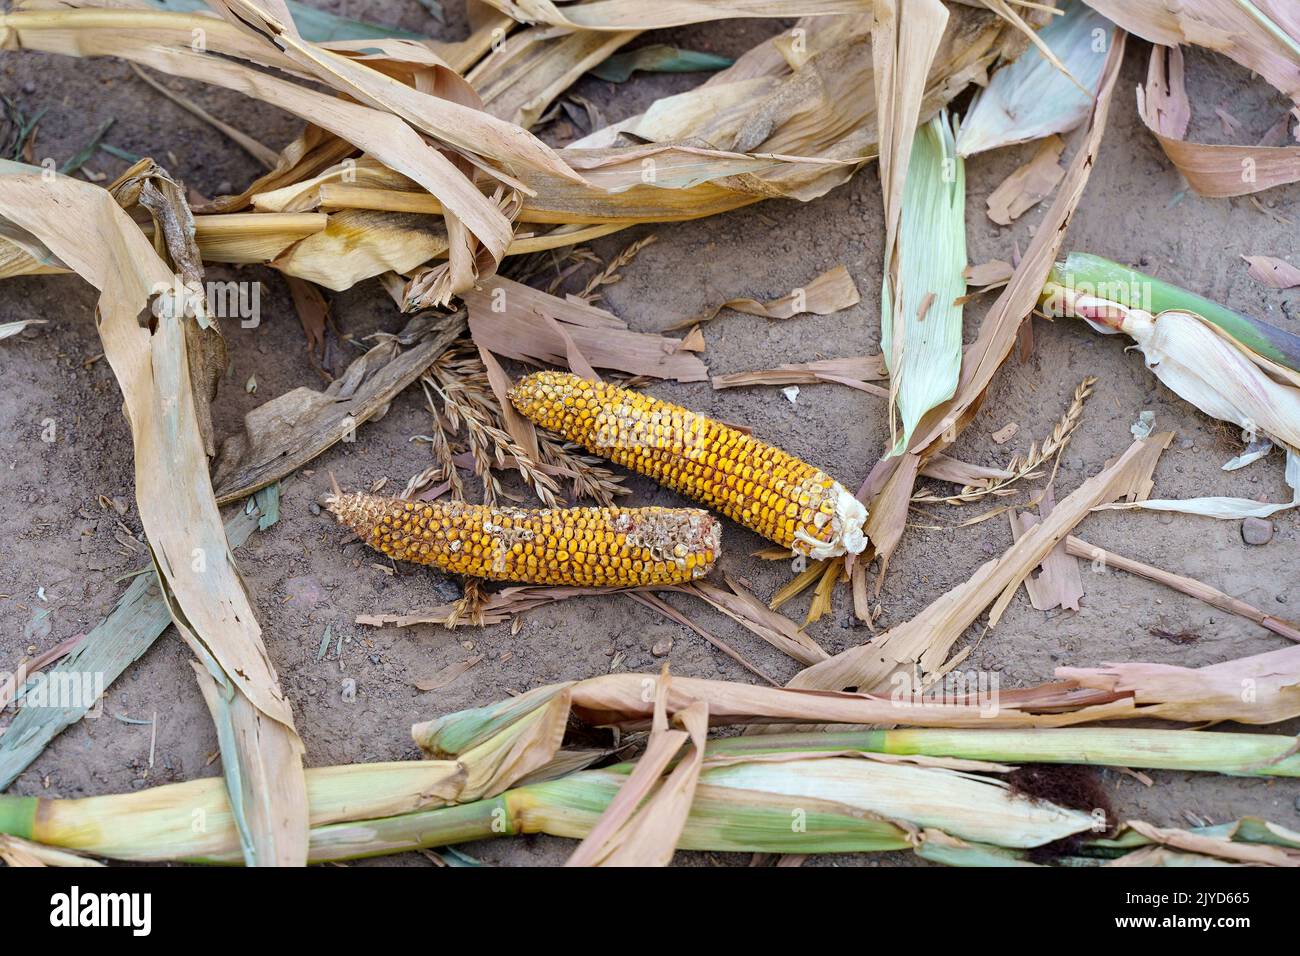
point(349, 689)
point(662, 648)
point(29, 87)
point(1166, 518)
point(1256, 531)
point(314, 508)
point(224, 188)
point(1281, 599)
point(1186, 444)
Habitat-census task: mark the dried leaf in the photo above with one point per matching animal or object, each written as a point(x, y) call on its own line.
point(828, 293)
point(506, 317)
point(1272, 272)
point(1262, 38)
point(1211, 170)
point(262, 753)
point(447, 676)
point(1029, 185)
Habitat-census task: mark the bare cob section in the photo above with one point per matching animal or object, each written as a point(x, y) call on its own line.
point(769, 491)
point(587, 547)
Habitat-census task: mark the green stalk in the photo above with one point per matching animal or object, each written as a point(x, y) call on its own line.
point(18, 816)
point(1118, 283)
point(1240, 755)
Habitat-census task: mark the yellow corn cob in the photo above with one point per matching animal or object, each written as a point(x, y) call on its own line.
point(767, 490)
point(588, 547)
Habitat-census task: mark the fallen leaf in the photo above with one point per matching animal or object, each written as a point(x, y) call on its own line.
point(1275, 273)
point(1028, 185)
point(447, 675)
point(1005, 433)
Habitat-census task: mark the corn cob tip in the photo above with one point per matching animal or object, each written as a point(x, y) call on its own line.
point(758, 485)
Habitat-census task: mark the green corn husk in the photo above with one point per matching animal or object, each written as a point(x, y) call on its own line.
point(921, 320)
point(1110, 280)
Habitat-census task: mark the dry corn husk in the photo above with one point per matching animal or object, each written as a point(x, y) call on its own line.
point(1261, 35)
point(1207, 367)
point(1030, 97)
point(1211, 170)
point(261, 750)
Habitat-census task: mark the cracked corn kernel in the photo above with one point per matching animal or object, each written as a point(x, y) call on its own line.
point(762, 487)
point(586, 547)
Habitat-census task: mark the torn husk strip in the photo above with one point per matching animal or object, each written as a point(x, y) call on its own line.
point(926, 639)
point(642, 825)
point(262, 753)
point(1186, 695)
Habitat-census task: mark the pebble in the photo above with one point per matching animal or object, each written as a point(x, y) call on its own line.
point(224, 188)
point(1186, 443)
point(314, 508)
point(349, 690)
point(1281, 599)
point(1256, 530)
point(29, 87)
point(661, 648)
point(1166, 518)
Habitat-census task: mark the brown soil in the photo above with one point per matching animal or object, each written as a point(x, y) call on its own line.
point(304, 578)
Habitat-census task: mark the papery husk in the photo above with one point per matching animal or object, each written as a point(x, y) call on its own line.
point(1262, 36)
point(1030, 98)
point(635, 15)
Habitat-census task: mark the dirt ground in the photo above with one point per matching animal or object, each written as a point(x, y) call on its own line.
point(304, 578)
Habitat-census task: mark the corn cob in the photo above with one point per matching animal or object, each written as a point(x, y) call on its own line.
point(587, 547)
point(767, 490)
